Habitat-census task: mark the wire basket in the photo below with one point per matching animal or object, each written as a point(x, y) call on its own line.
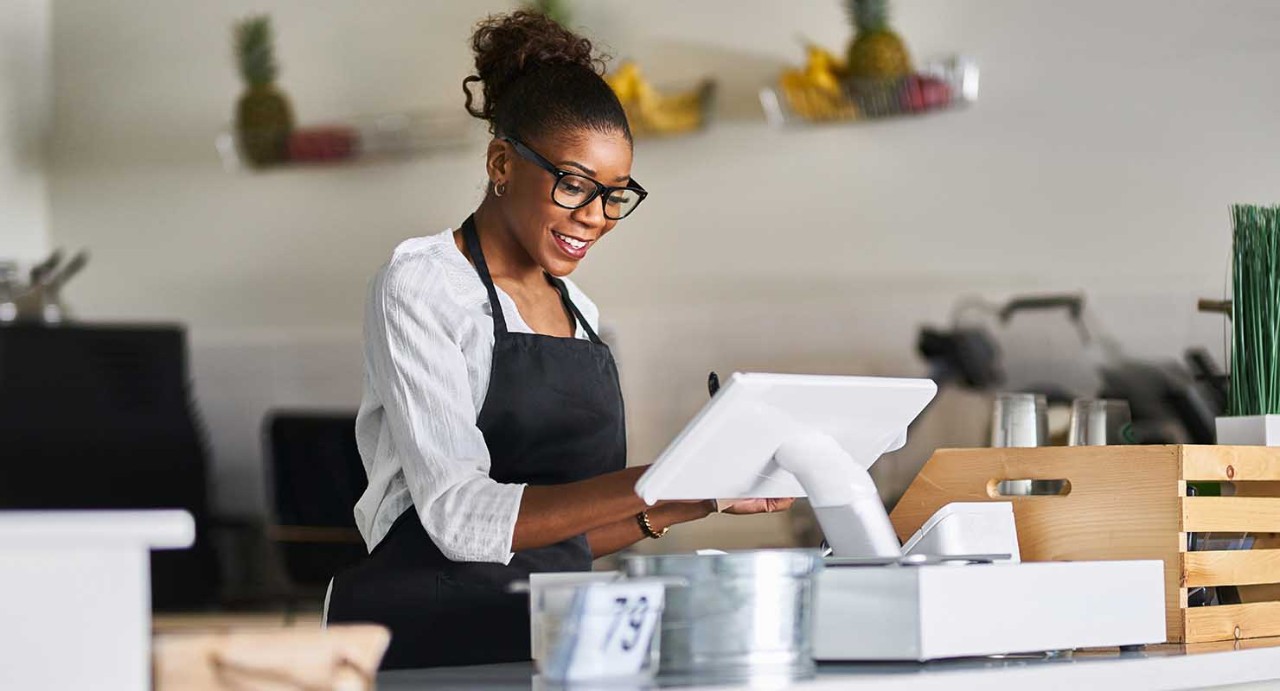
point(939, 85)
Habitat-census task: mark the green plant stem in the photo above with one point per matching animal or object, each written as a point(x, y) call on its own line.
point(1255, 310)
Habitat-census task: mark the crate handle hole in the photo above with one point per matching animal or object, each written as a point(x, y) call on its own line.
point(1028, 488)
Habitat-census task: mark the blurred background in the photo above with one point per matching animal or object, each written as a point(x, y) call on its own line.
point(1099, 159)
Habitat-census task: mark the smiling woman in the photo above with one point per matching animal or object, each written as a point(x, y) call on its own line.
point(491, 425)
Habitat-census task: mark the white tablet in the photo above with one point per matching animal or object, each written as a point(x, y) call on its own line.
point(727, 449)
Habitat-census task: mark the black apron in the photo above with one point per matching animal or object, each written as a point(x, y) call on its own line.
point(552, 415)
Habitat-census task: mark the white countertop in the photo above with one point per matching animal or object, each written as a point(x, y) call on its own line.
point(63, 529)
point(1156, 667)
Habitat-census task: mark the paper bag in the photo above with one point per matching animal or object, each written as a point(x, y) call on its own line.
point(339, 658)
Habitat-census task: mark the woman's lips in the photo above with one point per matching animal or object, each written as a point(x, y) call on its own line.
point(574, 247)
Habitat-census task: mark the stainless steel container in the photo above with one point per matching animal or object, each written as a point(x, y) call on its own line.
point(737, 615)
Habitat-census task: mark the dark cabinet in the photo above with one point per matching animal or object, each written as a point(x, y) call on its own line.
point(102, 417)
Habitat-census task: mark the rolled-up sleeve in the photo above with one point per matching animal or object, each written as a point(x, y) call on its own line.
point(420, 375)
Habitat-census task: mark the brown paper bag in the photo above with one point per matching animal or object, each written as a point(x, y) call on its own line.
point(340, 658)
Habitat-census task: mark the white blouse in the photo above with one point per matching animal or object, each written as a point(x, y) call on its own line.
point(428, 349)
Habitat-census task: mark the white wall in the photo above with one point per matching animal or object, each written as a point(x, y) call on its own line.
point(25, 89)
point(1108, 141)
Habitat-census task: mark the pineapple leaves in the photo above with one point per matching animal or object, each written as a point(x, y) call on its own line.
point(255, 50)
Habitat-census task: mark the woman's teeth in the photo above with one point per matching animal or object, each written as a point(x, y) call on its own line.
point(572, 242)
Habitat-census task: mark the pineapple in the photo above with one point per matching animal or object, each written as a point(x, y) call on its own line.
point(876, 52)
point(263, 116)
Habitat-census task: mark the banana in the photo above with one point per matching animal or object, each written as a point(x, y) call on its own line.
point(624, 81)
point(814, 91)
point(823, 68)
point(648, 110)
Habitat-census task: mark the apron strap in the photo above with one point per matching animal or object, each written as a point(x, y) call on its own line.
point(573, 309)
point(472, 241)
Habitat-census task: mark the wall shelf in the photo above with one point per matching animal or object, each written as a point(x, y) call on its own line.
point(940, 85)
point(364, 139)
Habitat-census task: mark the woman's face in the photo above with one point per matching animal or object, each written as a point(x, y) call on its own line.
point(557, 238)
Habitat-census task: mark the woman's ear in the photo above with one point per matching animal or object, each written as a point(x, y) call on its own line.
point(498, 161)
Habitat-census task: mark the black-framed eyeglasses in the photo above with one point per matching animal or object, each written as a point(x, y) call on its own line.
point(574, 190)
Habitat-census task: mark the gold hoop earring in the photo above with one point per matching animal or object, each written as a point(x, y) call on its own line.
point(499, 189)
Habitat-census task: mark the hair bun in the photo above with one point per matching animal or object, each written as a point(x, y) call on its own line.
point(511, 45)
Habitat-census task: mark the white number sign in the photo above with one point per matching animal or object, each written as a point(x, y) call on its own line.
point(607, 632)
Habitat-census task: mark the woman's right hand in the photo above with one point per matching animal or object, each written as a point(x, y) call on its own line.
point(744, 507)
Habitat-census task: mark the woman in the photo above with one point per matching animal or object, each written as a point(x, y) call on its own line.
point(492, 421)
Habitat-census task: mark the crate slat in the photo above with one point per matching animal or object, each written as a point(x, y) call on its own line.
point(1231, 514)
point(1238, 567)
point(1230, 463)
point(1225, 622)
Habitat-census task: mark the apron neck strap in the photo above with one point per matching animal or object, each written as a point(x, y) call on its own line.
point(472, 240)
point(573, 309)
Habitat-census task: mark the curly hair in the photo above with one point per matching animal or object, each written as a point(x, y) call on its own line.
point(536, 77)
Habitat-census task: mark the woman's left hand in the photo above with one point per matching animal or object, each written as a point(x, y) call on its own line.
point(742, 507)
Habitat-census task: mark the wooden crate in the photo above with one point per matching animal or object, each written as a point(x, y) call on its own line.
point(1129, 502)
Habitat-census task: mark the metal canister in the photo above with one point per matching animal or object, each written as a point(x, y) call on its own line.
point(736, 615)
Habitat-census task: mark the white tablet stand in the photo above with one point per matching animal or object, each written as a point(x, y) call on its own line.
point(842, 494)
point(788, 435)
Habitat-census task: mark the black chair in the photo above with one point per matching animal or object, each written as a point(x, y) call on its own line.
point(315, 477)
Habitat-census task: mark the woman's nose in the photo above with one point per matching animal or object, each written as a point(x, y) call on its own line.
point(592, 214)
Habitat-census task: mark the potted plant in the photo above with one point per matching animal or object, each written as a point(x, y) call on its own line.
point(1253, 413)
